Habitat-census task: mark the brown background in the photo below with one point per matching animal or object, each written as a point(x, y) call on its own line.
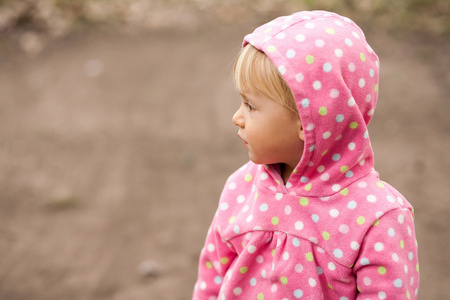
point(114, 149)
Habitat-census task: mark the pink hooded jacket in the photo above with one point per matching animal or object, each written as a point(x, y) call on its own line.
point(335, 230)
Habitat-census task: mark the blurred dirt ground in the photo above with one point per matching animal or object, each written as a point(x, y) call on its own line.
point(114, 150)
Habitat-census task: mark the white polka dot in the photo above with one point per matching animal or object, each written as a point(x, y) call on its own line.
point(296, 242)
point(299, 77)
point(325, 177)
point(282, 70)
point(354, 245)
point(334, 213)
point(236, 229)
point(336, 187)
point(259, 259)
point(253, 281)
point(211, 247)
point(273, 288)
point(351, 102)
point(379, 246)
point(364, 261)
point(410, 256)
point(348, 42)
point(382, 295)
point(232, 185)
point(300, 37)
point(310, 127)
point(278, 196)
point(299, 225)
point(224, 206)
point(317, 85)
point(351, 204)
point(395, 257)
point(401, 219)
point(362, 184)
point(371, 73)
point(203, 285)
point(237, 291)
point(298, 268)
point(334, 93)
point(356, 35)
point(280, 36)
point(361, 83)
point(315, 218)
point(343, 228)
point(338, 253)
point(327, 67)
point(320, 168)
point(351, 67)
point(326, 135)
point(400, 200)
point(405, 269)
point(331, 266)
point(351, 146)
point(310, 25)
point(320, 43)
point(264, 176)
point(290, 53)
point(305, 102)
point(371, 198)
point(367, 281)
point(312, 282)
point(217, 280)
point(287, 210)
point(298, 293)
point(338, 52)
point(391, 231)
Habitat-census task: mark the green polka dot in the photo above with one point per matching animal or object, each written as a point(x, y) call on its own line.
point(248, 177)
point(308, 187)
point(243, 270)
point(273, 252)
point(284, 280)
point(309, 59)
point(323, 111)
point(407, 295)
point(231, 220)
point(271, 49)
point(376, 88)
point(402, 244)
point(330, 286)
point(224, 260)
point(362, 56)
point(417, 267)
point(309, 256)
point(344, 169)
point(326, 235)
point(380, 184)
point(275, 221)
point(260, 296)
point(344, 192)
point(209, 264)
point(376, 223)
point(267, 30)
point(382, 270)
point(304, 201)
point(324, 152)
point(354, 125)
point(330, 31)
point(361, 220)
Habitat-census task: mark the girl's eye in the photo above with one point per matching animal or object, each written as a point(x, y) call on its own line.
point(249, 106)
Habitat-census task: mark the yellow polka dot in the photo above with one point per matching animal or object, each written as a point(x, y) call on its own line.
point(243, 270)
point(275, 221)
point(277, 181)
point(324, 152)
point(209, 264)
point(248, 177)
point(295, 171)
point(380, 184)
point(344, 192)
point(382, 270)
point(376, 88)
point(330, 286)
point(308, 187)
point(326, 235)
point(354, 125)
point(361, 220)
point(310, 59)
point(260, 296)
point(417, 267)
point(224, 260)
point(344, 169)
point(271, 49)
point(362, 56)
point(231, 220)
point(402, 244)
point(407, 295)
point(376, 223)
point(358, 288)
point(267, 30)
point(309, 256)
point(323, 111)
point(284, 280)
point(273, 252)
point(330, 31)
point(256, 196)
point(304, 201)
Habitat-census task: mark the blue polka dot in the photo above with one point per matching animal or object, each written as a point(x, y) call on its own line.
point(304, 179)
point(327, 67)
point(410, 256)
point(253, 281)
point(315, 218)
point(349, 174)
point(296, 242)
point(264, 207)
point(298, 294)
point(398, 283)
point(338, 253)
point(305, 102)
point(217, 280)
point(319, 270)
point(351, 205)
point(336, 157)
point(391, 231)
point(339, 118)
point(364, 261)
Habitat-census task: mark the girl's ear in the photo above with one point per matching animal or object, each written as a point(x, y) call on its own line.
point(301, 133)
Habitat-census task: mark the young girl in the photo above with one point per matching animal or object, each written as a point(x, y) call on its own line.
point(308, 216)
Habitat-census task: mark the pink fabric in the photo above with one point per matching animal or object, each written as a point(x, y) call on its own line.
point(335, 230)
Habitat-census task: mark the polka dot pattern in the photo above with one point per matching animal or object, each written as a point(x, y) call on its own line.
point(334, 218)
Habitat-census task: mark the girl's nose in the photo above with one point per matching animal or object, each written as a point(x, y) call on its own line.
point(238, 118)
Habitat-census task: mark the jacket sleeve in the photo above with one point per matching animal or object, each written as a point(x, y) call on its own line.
point(387, 266)
point(215, 259)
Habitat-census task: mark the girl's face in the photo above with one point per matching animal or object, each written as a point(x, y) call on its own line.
point(271, 133)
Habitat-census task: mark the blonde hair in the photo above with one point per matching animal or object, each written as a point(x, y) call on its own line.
point(255, 72)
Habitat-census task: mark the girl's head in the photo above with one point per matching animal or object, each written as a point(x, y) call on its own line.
point(255, 72)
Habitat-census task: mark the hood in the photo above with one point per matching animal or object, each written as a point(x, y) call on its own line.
point(333, 74)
